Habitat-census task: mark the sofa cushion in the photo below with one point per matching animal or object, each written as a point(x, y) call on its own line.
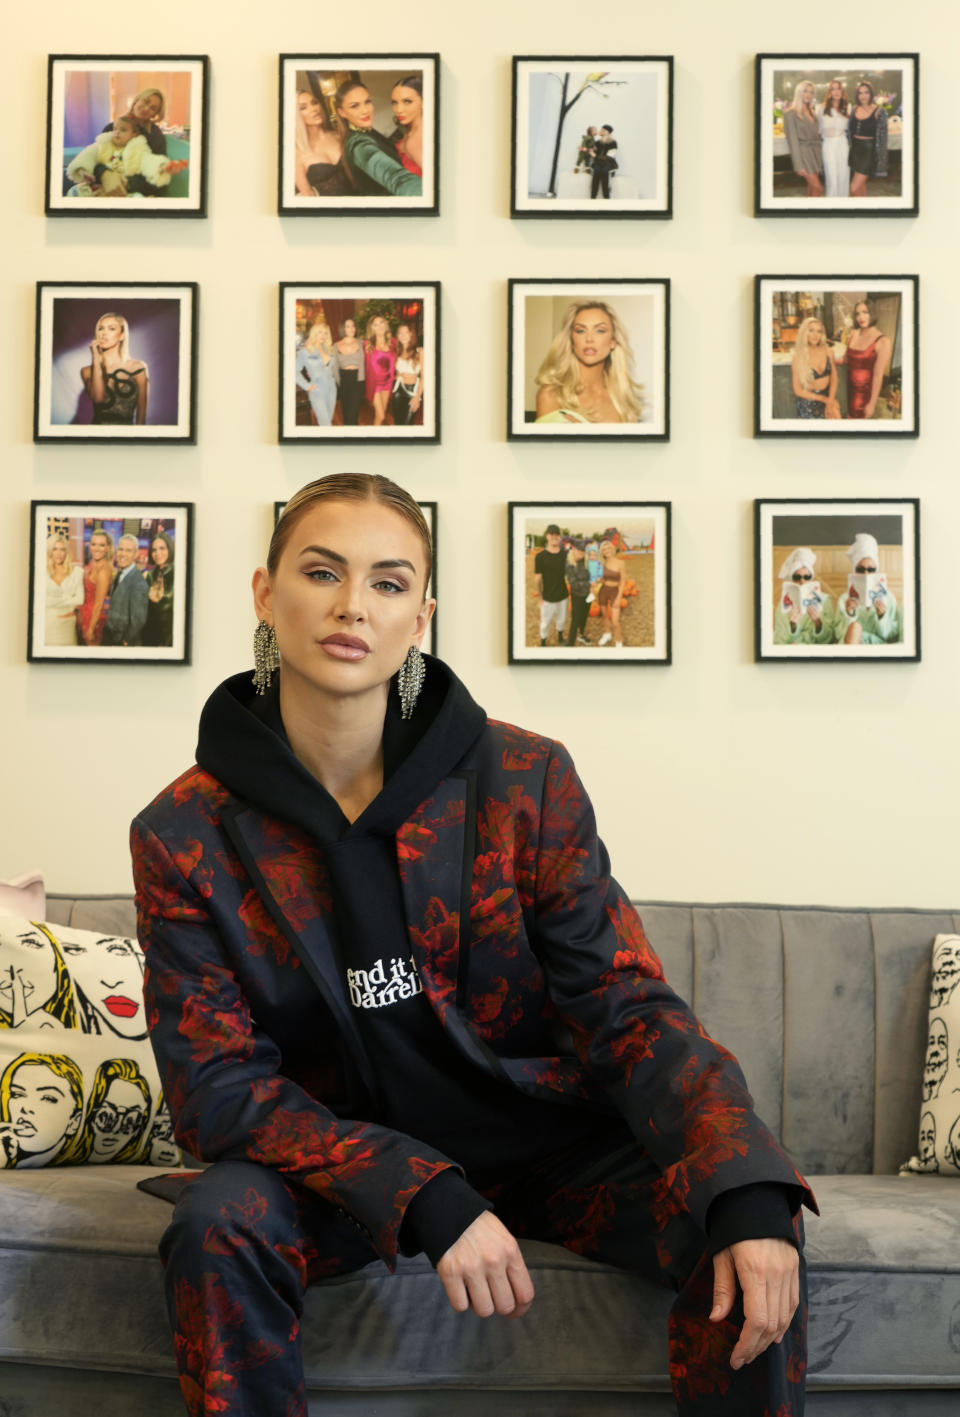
point(78, 1080)
point(938, 1145)
point(24, 895)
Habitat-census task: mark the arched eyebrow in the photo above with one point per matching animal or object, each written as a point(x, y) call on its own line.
point(342, 560)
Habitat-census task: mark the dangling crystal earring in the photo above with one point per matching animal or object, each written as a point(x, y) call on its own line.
point(266, 656)
point(410, 681)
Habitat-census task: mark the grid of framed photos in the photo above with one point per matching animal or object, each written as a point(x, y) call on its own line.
point(588, 357)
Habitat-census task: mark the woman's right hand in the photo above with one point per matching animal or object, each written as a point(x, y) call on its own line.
point(850, 605)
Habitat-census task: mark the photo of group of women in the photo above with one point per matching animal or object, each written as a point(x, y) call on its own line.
point(590, 581)
point(126, 136)
point(109, 582)
point(359, 362)
point(592, 137)
point(588, 359)
point(836, 135)
point(78, 1082)
point(115, 363)
point(837, 580)
point(837, 356)
point(358, 133)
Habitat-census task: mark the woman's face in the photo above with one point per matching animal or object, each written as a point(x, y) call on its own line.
point(807, 94)
point(864, 96)
point(379, 327)
point(591, 335)
point(404, 335)
point(159, 554)
point(816, 334)
point(356, 107)
point(407, 105)
point(59, 553)
point(801, 574)
point(107, 972)
point(109, 332)
point(27, 962)
point(98, 547)
point(607, 550)
point(310, 109)
point(121, 1114)
point(835, 91)
point(147, 108)
point(347, 599)
point(349, 329)
point(865, 565)
point(42, 1108)
point(861, 314)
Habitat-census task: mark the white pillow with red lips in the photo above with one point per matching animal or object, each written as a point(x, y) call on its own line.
point(939, 1139)
point(78, 1080)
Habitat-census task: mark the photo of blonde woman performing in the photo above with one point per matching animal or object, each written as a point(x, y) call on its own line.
point(319, 170)
point(64, 594)
point(868, 139)
point(801, 127)
point(814, 373)
point(834, 116)
point(866, 357)
point(116, 383)
point(371, 161)
point(41, 1104)
point(408, 385)
point(318, 373)
point(587, 375)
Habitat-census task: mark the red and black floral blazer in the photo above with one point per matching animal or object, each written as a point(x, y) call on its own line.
point(531, 956)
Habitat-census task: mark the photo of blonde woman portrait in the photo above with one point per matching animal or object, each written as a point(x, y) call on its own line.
point(588, 359)
point(359, 133)
point(837, 579)
point(836, 356)
point(127, 136)
point(836, 135)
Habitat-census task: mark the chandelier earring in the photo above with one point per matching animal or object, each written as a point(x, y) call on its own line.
point(266, 656)
point(410, 680)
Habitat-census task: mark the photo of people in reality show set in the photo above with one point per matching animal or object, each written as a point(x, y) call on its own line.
point(838, 583)
point(358, 132)
point(839, 360)
point(110, 582)
point(593, 139)
point(358, 366)
point(585, 587)
point(71, 1013)
point(125, 137)
point(840, 137)
point(591, 361)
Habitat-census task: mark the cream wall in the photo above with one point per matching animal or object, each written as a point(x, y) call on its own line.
point(694, 769)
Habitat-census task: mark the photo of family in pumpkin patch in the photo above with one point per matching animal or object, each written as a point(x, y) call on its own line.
point(594, 578)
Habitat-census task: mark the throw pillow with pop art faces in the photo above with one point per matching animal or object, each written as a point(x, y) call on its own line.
point(78, 1081)
point(939, 1133)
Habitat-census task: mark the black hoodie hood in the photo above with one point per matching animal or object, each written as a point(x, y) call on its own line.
point(243, 745)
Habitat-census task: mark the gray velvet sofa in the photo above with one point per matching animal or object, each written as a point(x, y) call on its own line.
point(827, 1011)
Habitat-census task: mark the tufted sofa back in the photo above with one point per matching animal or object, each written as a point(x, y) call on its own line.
point(826, 1010)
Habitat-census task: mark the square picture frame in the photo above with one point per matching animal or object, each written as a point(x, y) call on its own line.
point(837, 579)
point(618, 612)
point(126, 594)
point(592, 137)
point(359, 135)
point(821, 151)
point(115, 362)
point(154, 162)
point(836, 356)
point(336, 390)
point(429, 510)
point(623, 329)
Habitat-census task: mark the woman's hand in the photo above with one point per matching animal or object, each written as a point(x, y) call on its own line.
point(851, 606)
point(793, 614)
point(484, 1271)
point(415, 403)
point(868, 411)
point(155, 592)
point(832, 409)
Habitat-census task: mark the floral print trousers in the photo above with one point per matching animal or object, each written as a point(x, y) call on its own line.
point(243, 1245)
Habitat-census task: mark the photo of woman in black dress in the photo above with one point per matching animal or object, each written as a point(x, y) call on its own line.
point(868, 140)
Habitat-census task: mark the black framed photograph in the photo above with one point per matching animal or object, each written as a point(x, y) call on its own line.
point(127, 135)
point(588, 359)
point(837, 579)
point(360, 363)
point(592, 137)
point(110, 582)
point(589, 582)
point(837, 135)
point(836, 356)
point(359, 133)
point(429, 510)
point(115, 363)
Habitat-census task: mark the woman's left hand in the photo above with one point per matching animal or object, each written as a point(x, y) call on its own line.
point(414, 404)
